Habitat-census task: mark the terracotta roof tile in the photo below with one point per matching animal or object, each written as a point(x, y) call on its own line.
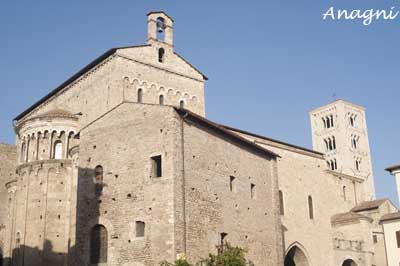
point(391, 216)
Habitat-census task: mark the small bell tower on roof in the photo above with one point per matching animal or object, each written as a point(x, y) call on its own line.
point(160, 28)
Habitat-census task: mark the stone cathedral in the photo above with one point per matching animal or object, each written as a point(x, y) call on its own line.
point(119, 166)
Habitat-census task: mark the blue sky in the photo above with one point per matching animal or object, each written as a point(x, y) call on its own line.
point(269, 62)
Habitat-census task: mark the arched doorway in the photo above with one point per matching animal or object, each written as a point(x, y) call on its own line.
point(349, 263)
point(296, 257)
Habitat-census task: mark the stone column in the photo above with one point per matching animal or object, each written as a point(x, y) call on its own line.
point(51, 136)
point(10, 226)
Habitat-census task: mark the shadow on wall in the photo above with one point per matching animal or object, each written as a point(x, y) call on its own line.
point(91, 238)
point(34, 256)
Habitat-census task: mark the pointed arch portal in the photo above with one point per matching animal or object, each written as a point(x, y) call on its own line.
point(349, 263)
point(296, 257)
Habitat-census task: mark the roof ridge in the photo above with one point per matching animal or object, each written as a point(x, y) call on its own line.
point(271, 139)
point(217, 126)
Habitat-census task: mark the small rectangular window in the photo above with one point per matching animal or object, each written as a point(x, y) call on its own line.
point(398, 238)
point(140, 226)
point(375, 239)
point(232, 183)
point(156, 166)
point(253, 191)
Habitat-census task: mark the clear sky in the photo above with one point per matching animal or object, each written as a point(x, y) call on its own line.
point(269, 62)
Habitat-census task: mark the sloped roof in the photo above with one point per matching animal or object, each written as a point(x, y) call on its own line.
point(160, 12)
point(393, 168)
point(272, 140)
point(188, 115)
point(348, 217)
point(55, 113)
point(390, 216)
point(369, 205)
point(84, 71)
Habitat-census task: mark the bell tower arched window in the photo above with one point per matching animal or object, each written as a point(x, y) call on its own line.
point(161, 29)
point(161, 100)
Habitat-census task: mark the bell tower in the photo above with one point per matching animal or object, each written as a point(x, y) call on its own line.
point(339, 130)
point(160, 28)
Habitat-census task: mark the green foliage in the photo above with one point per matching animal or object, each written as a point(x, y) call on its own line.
point(230, 256)
point(180, 262)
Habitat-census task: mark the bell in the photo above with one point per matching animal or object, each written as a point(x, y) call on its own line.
point(160, 26)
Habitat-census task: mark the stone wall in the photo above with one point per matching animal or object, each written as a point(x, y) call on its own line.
point(303, 173)
point(118, 77)
point(353, 240)
point(376, 229)
point(123, 142)
point(232, 189)
point(8, 162)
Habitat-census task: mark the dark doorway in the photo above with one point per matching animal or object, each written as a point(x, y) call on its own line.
point(349, 263)
point(296, 257)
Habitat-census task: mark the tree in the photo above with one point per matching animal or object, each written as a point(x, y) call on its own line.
point(228, 256)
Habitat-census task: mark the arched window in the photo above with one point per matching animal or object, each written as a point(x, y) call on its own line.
point(161, 53)
point(139, 95)
point(331, 120)
point(160, 29)
point(352, 121)
point(232, 182)
point(326, 144)
point(98, 177)
point(98, 244)
point(330, 144)
point(57, 150)
point(181, 104)
point(329, 123)
point(344, 193)
point(334, 142)
point(324, 121)
point(281, 204)
point(333, 164)
point(161, 99)
point(310, 208)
